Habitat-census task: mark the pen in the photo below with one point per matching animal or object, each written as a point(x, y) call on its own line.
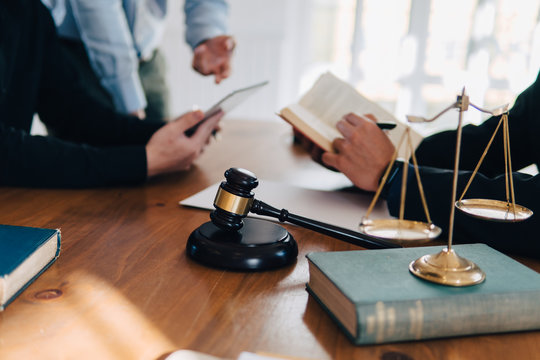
point(386, 126)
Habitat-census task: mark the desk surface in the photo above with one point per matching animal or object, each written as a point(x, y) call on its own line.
point(124, 288)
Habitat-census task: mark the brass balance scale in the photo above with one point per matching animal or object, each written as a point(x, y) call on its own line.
point(447, 267)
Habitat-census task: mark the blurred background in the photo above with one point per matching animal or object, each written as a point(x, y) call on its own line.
point(410, 56)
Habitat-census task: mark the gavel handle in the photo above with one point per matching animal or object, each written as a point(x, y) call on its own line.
point(337, 232)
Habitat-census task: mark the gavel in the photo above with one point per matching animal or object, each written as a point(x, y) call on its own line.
point(234, 200)
point(232, 241)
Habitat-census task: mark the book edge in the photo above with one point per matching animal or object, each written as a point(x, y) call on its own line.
point(349, 336)
point(32, 279)
point(307, 130)
point(44, 236)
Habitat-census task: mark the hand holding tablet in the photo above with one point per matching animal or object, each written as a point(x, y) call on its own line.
point(228, 103)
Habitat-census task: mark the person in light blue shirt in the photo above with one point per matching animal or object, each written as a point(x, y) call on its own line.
point(117, 41)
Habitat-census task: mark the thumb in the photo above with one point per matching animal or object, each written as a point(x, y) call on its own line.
point(189, 120)
point(203, 132)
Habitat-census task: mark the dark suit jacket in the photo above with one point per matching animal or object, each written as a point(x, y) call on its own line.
point(94, 147)
point(436, 158)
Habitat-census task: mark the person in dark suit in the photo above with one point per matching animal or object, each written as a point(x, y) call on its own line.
point(93, 145)
point(365, 151)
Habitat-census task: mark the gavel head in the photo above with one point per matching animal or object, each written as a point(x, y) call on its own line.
point(234, 199)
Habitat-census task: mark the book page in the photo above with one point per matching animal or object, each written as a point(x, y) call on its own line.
point(331, 98)
point(324, 128)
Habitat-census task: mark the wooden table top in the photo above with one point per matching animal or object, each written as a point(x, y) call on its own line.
point(123, 287)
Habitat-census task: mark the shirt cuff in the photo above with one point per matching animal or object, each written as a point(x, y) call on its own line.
point(202, 34)
point(205, 20)
point(127, 93)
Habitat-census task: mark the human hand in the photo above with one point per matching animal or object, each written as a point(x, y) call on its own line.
point(213, 56)
point(170, 149)
point(363, 153)
point(310, 147)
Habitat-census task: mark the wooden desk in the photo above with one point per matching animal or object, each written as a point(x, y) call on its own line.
point(123, 287)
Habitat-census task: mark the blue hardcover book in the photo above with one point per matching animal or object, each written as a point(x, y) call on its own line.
point(375, 299)
point(25, 252)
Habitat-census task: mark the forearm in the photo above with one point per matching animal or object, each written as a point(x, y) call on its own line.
point(65, 107)
point(82, 120)
point(37, 161)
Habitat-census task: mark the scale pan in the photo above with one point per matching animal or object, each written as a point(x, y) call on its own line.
point(494, 210)
point(402, 232)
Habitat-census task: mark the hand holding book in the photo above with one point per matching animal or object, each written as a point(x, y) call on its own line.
point(334, 119)
point(362, 154)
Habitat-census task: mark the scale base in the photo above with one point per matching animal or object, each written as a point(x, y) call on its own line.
point(447, 268)
point(258, 245)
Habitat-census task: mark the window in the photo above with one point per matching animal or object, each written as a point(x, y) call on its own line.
point(414, 57)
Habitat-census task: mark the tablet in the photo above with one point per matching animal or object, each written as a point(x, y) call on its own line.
point(228, 103)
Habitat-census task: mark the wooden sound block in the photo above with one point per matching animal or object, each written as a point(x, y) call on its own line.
point(258, 245)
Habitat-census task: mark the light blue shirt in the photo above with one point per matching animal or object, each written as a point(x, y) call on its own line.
point(118, 34)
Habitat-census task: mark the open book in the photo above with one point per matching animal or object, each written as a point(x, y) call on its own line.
point(330, 98)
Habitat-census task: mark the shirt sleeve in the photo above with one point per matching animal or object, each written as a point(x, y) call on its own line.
point(205, 19)
point(50, 162)
point(104, 30)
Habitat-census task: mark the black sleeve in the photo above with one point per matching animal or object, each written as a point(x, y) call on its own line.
point(518, 238)
point(41, 161)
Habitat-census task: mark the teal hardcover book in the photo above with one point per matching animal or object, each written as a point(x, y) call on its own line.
point(25, 252)
point(375, 299)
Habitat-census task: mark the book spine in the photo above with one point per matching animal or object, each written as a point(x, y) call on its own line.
point(396, 321)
